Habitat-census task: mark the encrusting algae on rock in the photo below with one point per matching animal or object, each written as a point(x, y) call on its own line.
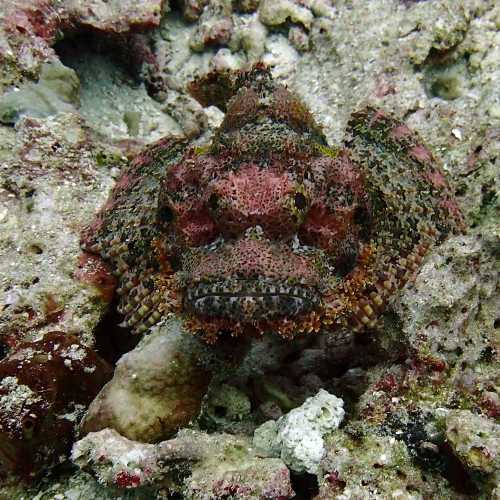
point(268, 228)
point(45, 387)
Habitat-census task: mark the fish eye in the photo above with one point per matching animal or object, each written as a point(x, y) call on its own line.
point(300, 201)
point(166, 214)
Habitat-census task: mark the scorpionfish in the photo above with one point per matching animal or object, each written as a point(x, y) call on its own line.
point(268, 228)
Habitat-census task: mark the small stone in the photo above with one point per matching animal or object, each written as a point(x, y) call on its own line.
point(299, 39)
point(494, 110)
point(276, 12)
point(156, 389)
point(475, 440)
point(265, 439)
point(133, 120)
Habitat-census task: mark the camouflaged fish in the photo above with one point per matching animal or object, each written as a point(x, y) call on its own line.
point(268, 228)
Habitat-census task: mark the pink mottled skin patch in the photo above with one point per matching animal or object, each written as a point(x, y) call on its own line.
point(125, 182)
point(254, 197)
point(195, 227)
point(248, 258)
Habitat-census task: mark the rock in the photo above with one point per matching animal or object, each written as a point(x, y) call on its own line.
point(116, 460)
point(442, 318)
point(299, 433)
point(276, 12)
point(475, 440)
point(371, 467)
point(446, 81)
point(226, 406)
point(156, 389)
point(215, 27)
point(246, 6)
point(265, 439)
point(56, 91)
point(250, 36)
point(47, 164)
point(219, 463)
point(192, 9)
point(28, 30)
point(299, 39)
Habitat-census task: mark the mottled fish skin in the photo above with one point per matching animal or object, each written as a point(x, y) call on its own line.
point(268, 228)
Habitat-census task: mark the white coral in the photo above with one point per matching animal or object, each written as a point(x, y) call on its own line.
point(300, 432)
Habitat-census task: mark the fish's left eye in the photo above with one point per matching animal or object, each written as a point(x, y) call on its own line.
point(300, 201)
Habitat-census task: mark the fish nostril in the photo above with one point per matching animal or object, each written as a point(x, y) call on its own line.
point(175, 263)
point(360, 215)
point(213, 202)
point(300, 201)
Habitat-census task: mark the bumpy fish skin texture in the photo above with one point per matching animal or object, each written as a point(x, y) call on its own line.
point(268, 228)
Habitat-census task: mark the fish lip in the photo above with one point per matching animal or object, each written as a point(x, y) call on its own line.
point(250, 300)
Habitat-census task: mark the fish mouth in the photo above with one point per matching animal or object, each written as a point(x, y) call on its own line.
point(250, 301)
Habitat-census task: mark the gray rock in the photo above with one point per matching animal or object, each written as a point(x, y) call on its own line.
point(56, 91)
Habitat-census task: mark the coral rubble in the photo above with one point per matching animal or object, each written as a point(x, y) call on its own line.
point(194, 464)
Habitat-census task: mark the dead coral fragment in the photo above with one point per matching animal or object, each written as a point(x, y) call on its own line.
point(156, 388)
point(475, 440)
point(219, 463)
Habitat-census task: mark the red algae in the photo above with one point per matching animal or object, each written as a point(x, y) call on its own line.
point(45, 388)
